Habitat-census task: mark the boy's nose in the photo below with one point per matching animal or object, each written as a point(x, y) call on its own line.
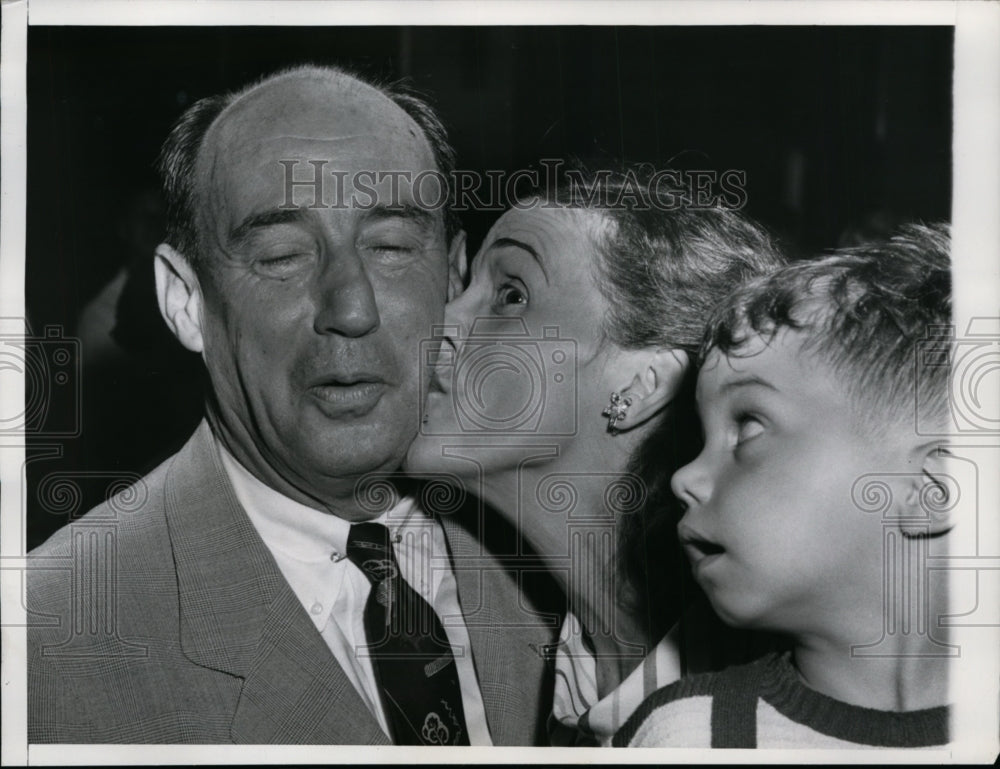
point(691, 484)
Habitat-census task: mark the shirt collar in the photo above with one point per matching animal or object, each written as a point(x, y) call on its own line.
point(298, 531)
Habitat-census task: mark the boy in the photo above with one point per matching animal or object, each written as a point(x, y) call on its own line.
point(814, 502)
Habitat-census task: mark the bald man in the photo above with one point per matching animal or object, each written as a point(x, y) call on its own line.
point(245, 591)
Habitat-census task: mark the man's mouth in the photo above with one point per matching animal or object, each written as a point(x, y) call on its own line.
point(355, 393)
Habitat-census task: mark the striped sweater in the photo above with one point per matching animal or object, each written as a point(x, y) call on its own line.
point(765, 705)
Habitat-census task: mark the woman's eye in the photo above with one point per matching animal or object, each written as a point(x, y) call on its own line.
point(510, 294)
point(748, 427)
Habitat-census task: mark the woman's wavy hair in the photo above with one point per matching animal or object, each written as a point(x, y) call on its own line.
point(665, 261)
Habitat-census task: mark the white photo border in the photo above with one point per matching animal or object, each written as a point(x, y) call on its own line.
point(976, 259)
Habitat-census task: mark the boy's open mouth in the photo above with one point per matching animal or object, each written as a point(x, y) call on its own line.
point(697, 547)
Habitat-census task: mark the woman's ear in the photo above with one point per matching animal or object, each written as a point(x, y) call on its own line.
point(458, 265)
point(931, 495)
point(656, 381)
point(178, 293)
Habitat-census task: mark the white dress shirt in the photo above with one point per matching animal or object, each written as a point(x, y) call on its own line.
point(310, 548)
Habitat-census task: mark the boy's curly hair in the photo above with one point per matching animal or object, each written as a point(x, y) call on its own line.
point(866, 310)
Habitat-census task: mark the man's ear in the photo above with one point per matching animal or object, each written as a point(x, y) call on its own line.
point(458, 265)
point(178, 293)
point(930, 496)
point(658, 374)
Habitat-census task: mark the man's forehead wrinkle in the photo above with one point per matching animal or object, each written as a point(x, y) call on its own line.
point(301, 116)
point(316, 139)
point(293, 83)
point(310, 119)
point(277, 97)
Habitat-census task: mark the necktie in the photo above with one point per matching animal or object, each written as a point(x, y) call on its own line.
point(413, 661)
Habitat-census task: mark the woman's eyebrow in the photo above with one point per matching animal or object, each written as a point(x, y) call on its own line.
point(514, 243)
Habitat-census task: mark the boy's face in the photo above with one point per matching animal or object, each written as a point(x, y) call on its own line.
point(771, 530)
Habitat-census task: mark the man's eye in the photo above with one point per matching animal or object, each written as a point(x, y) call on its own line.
point(510, 294)
point(283, 266)
point(391, 248)
point(748, 427)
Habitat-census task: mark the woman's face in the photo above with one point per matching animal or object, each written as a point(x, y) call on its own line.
point(522, 367)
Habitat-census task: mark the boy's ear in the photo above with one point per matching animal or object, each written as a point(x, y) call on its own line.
point(178, 293)
point(658, 374)
point(930, 494)
point(458, 265)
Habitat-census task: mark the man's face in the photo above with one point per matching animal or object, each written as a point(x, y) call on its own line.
point(312, 315)
point(772, 529)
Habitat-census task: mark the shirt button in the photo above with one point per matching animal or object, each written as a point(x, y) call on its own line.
point(316, 608)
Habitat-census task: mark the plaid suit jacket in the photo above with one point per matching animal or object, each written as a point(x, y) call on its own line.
point(161, 616)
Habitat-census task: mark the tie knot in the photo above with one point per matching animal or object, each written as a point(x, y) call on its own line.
point(369, 547)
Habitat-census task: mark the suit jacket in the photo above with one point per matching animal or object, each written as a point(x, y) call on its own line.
point(161, 616)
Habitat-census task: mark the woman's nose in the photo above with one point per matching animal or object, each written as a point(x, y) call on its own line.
point(459, 314)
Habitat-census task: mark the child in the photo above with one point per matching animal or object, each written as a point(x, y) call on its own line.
point(816, 496)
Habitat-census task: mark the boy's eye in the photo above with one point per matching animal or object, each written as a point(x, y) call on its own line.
point(748, 427)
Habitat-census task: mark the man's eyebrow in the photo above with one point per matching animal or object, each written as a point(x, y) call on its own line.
point(408, 211)
point(266, 219)
point(513, 242)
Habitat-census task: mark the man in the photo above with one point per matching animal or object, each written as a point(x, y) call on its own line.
point(227, 596)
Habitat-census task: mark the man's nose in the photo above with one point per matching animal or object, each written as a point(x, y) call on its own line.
point(346, 303)
point(692, 483)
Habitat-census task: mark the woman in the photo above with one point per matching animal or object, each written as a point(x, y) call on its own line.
point(562, 398)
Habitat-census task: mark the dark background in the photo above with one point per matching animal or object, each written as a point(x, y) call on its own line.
point(842, 132)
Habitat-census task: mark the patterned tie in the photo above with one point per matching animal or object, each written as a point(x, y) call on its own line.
point(410, 652)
